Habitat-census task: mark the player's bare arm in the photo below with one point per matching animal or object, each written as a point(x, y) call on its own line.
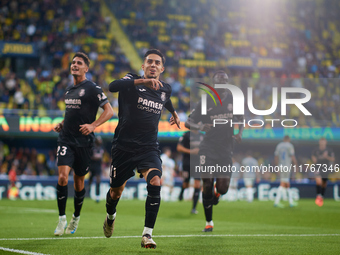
point(175, 119)
point(325, 156)
point(150, 83)
point(107, 114)
point(57, 128)
point(181, 148)
point(190, 124)
point(238, 136)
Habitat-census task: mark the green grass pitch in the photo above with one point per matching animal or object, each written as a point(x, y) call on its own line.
point(240, 228)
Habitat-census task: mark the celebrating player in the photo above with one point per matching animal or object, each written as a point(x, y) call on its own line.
point(76, 138)
point(189, 145)
point(217, 145)
point(325, 156)
point(284, 156)
point(141, 101)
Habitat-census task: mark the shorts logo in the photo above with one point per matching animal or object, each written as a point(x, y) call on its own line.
point(202, 159)
point(163, 96)
point(82, 92)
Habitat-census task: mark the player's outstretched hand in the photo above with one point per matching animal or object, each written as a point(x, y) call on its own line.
point(57, 128)
point(86, 129)
point(175, 120)
point(194, 151)
point(153, 84)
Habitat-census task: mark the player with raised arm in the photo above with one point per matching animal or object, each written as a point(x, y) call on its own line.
point(217, 145)
point(76, 138)
point(324, 156)
point(284, 156)
point(141, 101)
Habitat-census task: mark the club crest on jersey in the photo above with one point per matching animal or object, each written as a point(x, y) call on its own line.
point(230, 107)
point(82, 92)
point(163, 97)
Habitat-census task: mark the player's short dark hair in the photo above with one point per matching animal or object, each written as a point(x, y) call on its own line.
point(157, 52)
point(220, 77)
point(286, 137)
point(323, 138)
point(83, 56)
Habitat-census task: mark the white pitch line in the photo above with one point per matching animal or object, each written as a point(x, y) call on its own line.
point(171, 236)
point(29, 209)
point(21, 251)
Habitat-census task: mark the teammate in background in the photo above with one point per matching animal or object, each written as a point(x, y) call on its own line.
point(235, 176)
point(284, 156)
point(76, 138)
point(141, 101)
point(250, 164)
point(96, 165)
point(217, 145)
point(325, 156)
point(167, 180)
point(188, 144)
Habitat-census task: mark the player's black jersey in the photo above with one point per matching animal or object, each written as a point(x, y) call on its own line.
point(190, 140)
point(82, 102)
point(98, 151)
point(139, 113)
point(218, 140)
point(319, 155)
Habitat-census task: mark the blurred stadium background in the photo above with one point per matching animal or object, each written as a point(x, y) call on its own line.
point(260, 44)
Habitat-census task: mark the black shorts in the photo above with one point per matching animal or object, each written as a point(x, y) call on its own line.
point(186, 173)
point(222, 166)
point(78, 158)
point(124, 163)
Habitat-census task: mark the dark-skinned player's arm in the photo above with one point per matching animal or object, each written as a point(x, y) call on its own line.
point(107, 114)
point(193, 122)
point(238, 136)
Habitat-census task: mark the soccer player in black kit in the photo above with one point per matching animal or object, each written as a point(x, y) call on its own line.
point(96, 165)
point(325, 156)
point(217, 145)
point(141, 101)
point(189, 145)
point(76, 138)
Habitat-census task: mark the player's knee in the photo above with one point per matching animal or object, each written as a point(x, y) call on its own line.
point(115, 194)
point(154, 178)
point(62, 179)
point(222, 187)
